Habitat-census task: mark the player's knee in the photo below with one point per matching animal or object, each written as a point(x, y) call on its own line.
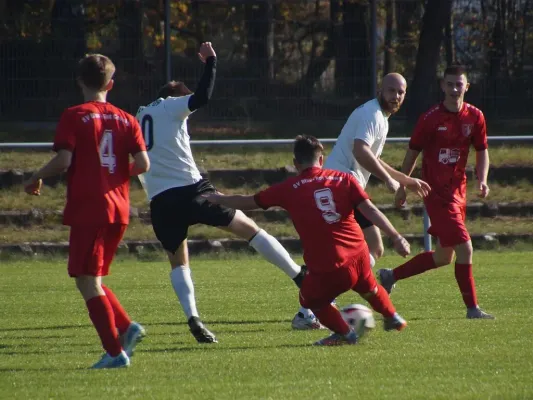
point(89, 286)
point(180, 257)
point(243, 226)
point(464, 252)
point(443, 259)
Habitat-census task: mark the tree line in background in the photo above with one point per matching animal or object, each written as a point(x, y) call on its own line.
point(278, 59)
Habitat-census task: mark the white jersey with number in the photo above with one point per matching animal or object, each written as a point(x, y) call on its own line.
point(367, 123)
point(164, 126)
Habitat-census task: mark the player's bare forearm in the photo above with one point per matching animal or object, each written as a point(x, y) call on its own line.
point(482, 165)
point(55, 166)
point(397, 175)
point(364, 156)
point(370, 211)
point(409, 161)
point(140, 164)
point(238, 202)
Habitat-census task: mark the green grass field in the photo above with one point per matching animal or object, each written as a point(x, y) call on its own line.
point(15, 198)
point(244, 157)
point(47, 341)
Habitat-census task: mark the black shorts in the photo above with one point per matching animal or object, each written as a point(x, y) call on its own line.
point(174, 210)
point(363, 221)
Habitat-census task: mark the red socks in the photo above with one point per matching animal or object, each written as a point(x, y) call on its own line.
point(465, 280)
point(122, 319)
point(101, 314)
point(381, 303)
point(332, 319)
point(416, 265)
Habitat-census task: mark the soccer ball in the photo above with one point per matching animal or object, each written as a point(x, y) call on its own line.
point(359, 317)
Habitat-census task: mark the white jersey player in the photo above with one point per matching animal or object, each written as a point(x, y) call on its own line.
point(359, 146)
point(174, 186)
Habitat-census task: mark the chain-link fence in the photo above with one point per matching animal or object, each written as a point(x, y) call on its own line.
point(298, 59)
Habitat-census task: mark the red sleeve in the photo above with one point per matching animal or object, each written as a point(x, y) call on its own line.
point(137, 143)
point(357, 193)
point(420, 135)
point(272, 196)
point(479, 138)
point(65, 138)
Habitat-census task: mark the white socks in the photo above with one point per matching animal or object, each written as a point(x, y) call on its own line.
point(184, 288)
point(275, 253)
point(372, 261)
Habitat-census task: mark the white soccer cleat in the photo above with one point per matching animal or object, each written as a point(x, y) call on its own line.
point(120, 361)
point(302, 323)
point(131, 337)
point(478, 313)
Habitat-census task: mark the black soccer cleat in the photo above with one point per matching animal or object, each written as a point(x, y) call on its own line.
point(298, 279)
point(200, 332)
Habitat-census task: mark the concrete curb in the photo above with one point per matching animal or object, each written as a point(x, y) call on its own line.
point(489, 240)
point(474, 210)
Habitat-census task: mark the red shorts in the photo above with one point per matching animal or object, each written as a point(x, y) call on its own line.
point(447, 222)
point(91, 249)
point(320, 288)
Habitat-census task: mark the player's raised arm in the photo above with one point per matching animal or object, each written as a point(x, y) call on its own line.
point(370, 211)
point(239, 202)
point(207, 82)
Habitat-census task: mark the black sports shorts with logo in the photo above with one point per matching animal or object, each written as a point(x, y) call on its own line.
point(174, 210)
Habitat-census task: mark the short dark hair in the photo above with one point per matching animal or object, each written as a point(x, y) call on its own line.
point(455, 69)
point(307, 149)
point(173, 89)
point(95, 71)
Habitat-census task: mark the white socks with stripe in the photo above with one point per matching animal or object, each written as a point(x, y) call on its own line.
point(182, 283)
point(272, 250)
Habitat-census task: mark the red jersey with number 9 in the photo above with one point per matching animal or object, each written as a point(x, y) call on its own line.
point(320, 203)
point(101, 137)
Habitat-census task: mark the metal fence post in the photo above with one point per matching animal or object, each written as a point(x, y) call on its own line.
point(427, 236)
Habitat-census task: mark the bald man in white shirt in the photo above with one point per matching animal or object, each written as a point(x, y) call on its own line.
point(359, 146)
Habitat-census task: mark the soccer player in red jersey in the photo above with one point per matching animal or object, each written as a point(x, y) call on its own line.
point(93, 142)
point(321, 205)
point(444, 135)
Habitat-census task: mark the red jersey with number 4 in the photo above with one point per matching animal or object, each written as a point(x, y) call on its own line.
point(320, 203)
point(445, 138)
point(101, 137)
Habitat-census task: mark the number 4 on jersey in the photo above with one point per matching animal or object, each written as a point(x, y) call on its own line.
point(107, 157)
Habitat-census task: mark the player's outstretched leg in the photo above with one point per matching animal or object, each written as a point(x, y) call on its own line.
point(130, 332)
point(417, 265)
point(272, 250)
point(330, 317)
